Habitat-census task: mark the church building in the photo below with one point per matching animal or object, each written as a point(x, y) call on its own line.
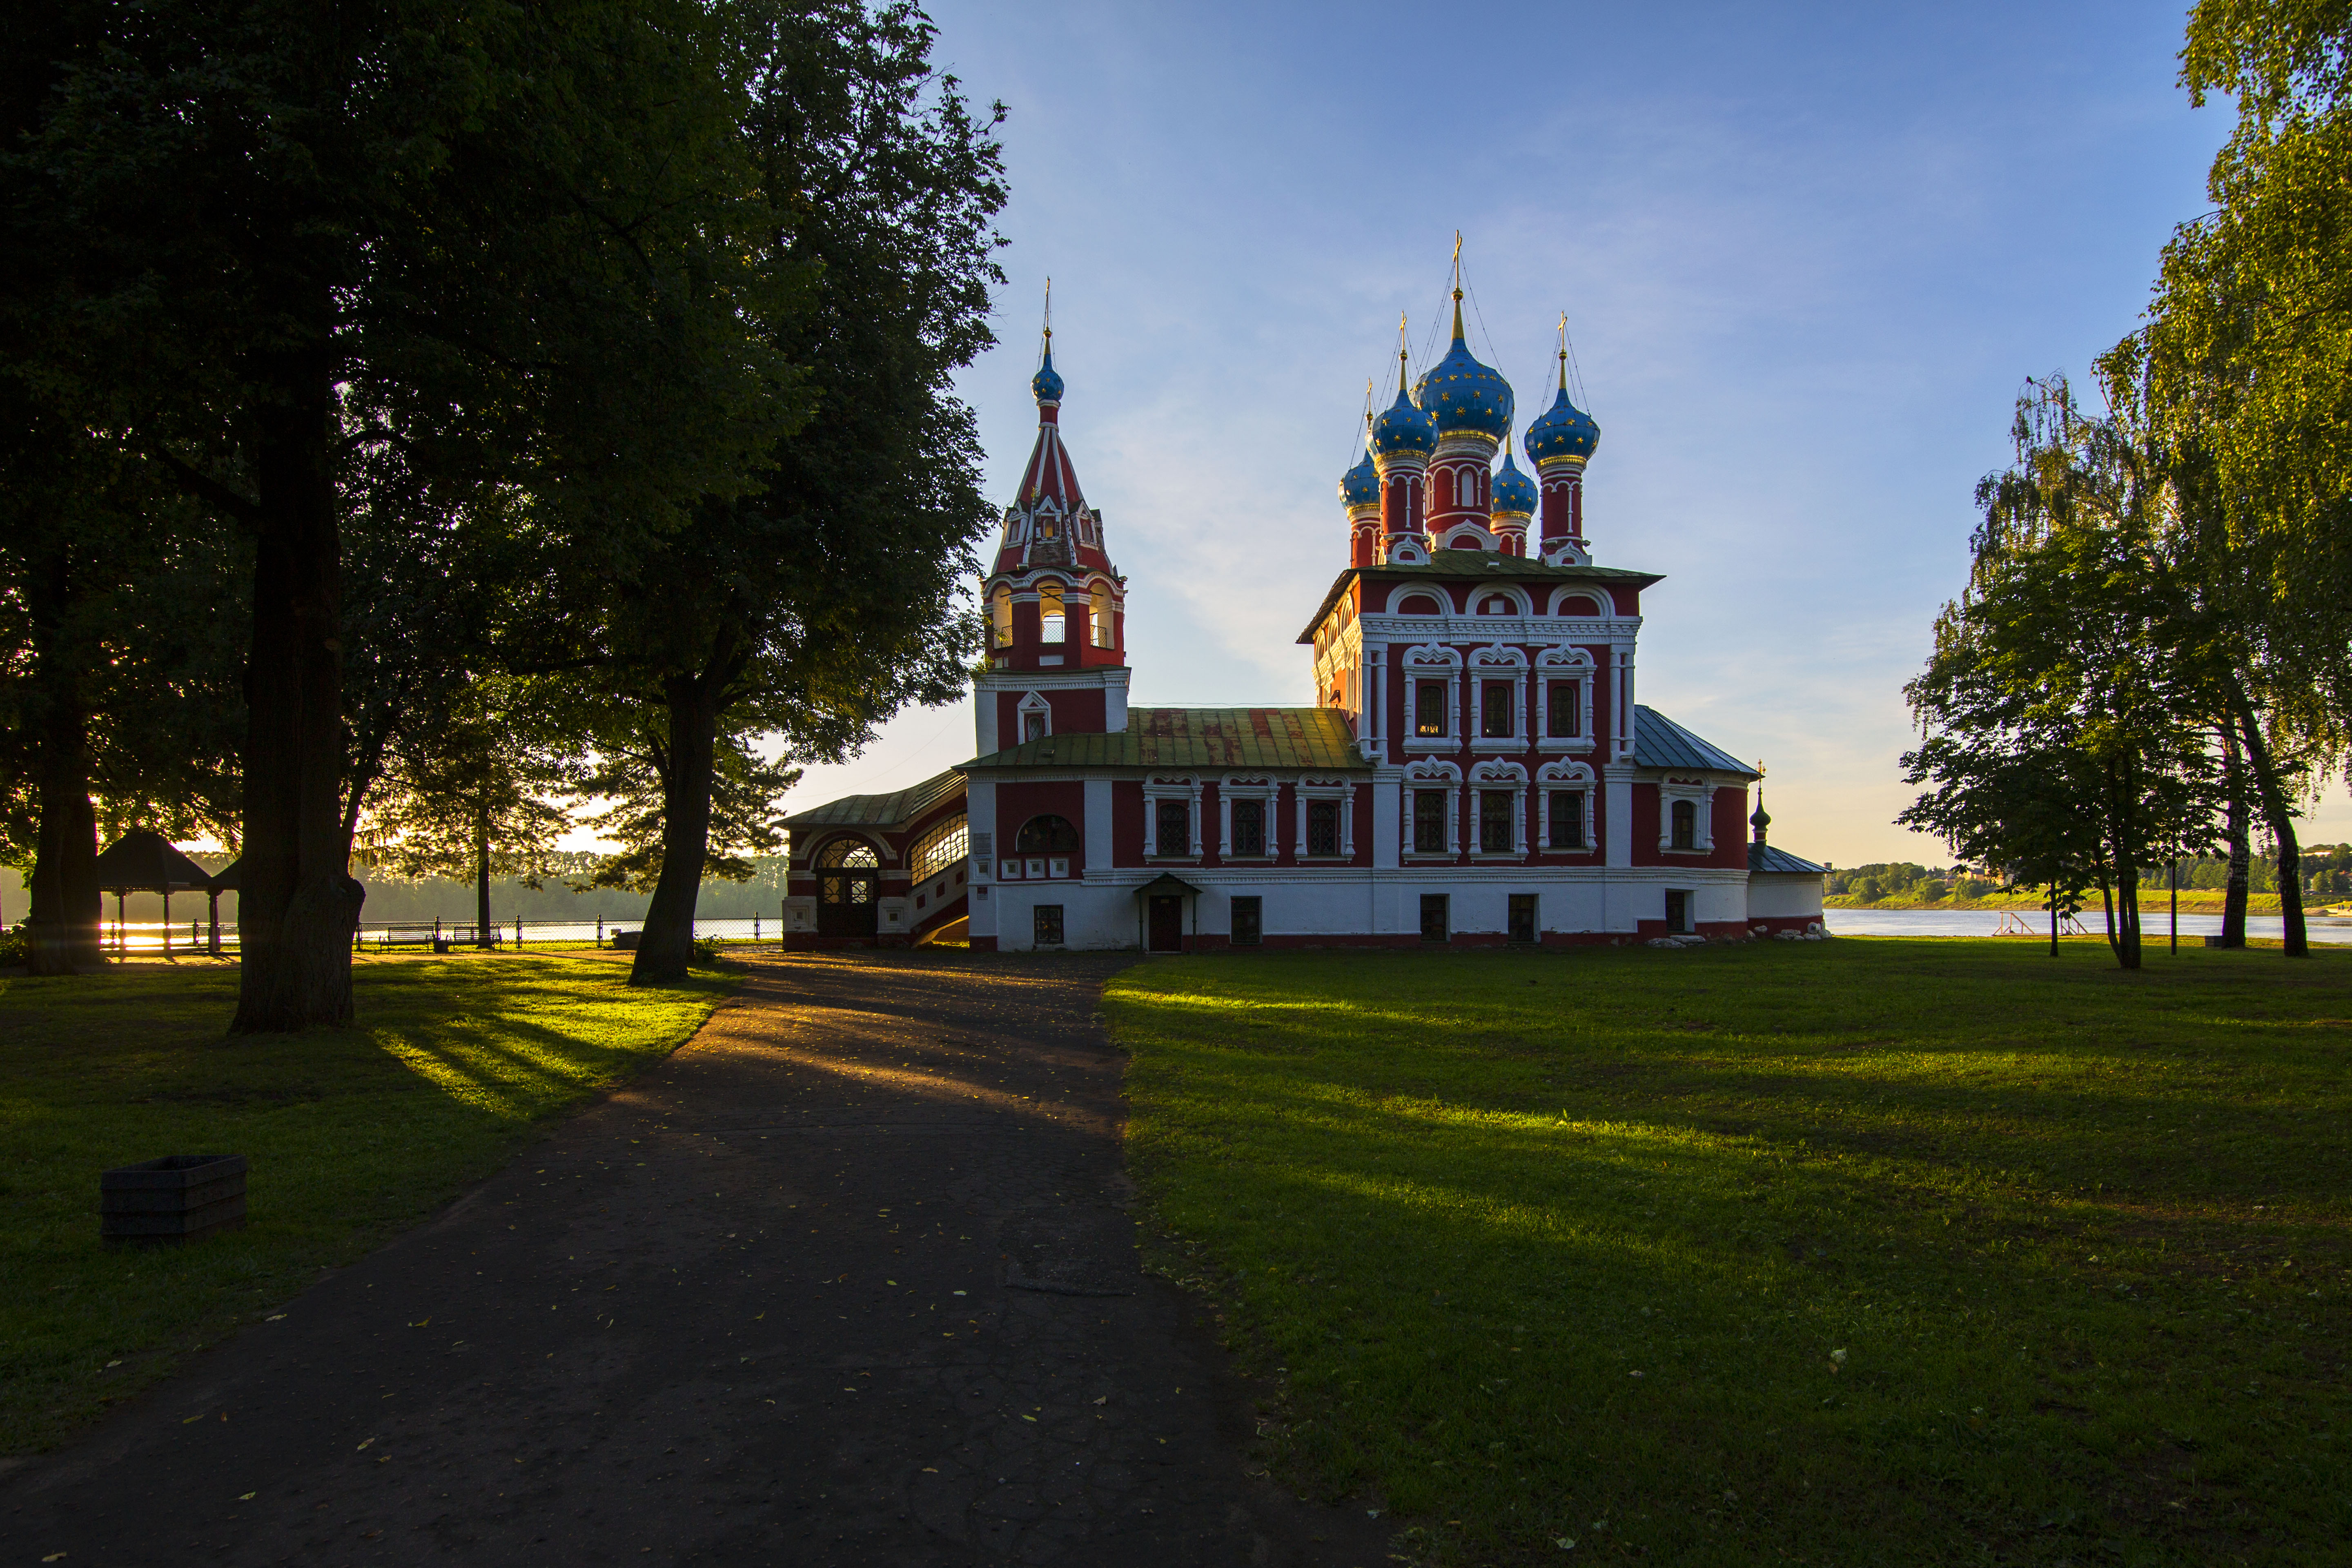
point(1474, 769)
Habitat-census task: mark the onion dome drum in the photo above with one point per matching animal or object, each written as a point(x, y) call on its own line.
point(1563, 430)
point(1046, 384)
point(1515, 493)
point(1401, 431)
point(1463, 396)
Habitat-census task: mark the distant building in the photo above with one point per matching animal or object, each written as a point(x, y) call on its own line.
point(1474, 771)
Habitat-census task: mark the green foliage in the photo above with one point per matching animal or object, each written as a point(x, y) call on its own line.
point(353, 1135)
point(1924, 1252)
point(2066, 714)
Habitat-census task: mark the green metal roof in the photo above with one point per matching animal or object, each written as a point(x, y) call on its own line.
point(1315, 738)
point(1475, 566)
point(1772, 858)
point(1660, 743)
point(880, 810)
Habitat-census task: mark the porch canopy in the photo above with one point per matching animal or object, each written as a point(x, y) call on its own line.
point(1166, 885)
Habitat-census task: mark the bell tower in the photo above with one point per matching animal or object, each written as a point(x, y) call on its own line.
point(1056, 660)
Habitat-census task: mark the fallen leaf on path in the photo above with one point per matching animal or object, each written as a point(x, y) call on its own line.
point(247, 1497)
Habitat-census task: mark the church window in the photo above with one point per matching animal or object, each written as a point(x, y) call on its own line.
point(1049, 612)
point(1495, 820)
point(1249, 827)
point(1000, 617)
point(1685, 826)
point(1322, 827)
point(1568, 819)
point(1047, 835)
point(1495, 719)
point(1466, 488)
point(1032, 726)
point(1429, 822)
point(1429, 707)
point(1562, 720)
point(1102, 613)
point(1249, 921)
point(1048, 932)
point(937, 850)
point(1175, 824)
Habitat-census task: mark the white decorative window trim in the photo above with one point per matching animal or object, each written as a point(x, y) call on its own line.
point(1343, 792)
point(1701, 794)
point(1426, 774)
point(1560, 662)
point(1495, 774)
point(1520, 604)
point(1551, 780)
point(1404, 590)
point(1034, 703)
point(1232, 787)
point(1498, 662)
point(1432, 662)
point(1183, 787)
point(1600, 596)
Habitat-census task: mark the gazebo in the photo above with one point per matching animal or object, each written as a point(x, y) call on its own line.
point(145, 862)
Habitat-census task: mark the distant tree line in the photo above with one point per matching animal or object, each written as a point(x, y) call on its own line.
point(419, 421)
point(2153, 657)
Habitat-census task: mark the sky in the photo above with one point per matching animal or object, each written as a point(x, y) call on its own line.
point(1808, 255)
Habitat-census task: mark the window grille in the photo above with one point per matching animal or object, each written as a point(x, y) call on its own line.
point(939, 848)
point(1494, 821)
point(1685, 826)
point(1496, 720)
point(1568, 819)
point(1322, 827)
point(1175, 824)
point(1429, 708)
point(1429, 820)
point(1564, 719)
point(1249, 827)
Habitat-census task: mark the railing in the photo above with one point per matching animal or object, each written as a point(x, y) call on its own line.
point(157, 939)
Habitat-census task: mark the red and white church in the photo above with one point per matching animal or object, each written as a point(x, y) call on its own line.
point(1474, 769)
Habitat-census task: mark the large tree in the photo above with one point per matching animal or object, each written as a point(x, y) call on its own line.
point(527, 241)
point(810, 609)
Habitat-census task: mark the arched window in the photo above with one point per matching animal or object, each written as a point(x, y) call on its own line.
point(1047, 835)
point(848, 854)
point(1049, 612)
point(1419, 605)
point(1466, 488)
point(939, 848)
point(1686, 828)
point(1000, 616)
point(1102, 612)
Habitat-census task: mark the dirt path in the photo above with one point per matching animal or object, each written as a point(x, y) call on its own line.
point(849, 1280)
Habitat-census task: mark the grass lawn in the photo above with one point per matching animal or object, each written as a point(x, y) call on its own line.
point(353, 1134)
point(1894, 1251)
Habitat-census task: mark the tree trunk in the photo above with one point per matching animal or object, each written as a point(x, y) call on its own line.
point(483, 935)
point(665, 945)
point(2054, 919)
point(67, 909)
point(298, 904)
point(2279, 812)
point(2233, 901)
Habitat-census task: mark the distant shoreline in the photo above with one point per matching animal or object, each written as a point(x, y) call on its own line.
point(2204, 901)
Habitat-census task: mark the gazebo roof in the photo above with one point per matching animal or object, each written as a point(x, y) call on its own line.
point(145, 862)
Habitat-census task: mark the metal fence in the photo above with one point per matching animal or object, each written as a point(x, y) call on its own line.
point(151, 939)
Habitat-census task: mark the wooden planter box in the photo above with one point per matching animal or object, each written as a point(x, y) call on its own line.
point(181, 1198)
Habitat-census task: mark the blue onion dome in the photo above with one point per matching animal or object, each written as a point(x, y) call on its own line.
point(1563, 430)
point(1402, 429)
point(1046, 384)
point(1361, 486)
point(1462, 395)
point(1514, 493)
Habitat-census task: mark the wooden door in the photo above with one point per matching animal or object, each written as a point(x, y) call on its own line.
point(1168, 923)
point(847, 903)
